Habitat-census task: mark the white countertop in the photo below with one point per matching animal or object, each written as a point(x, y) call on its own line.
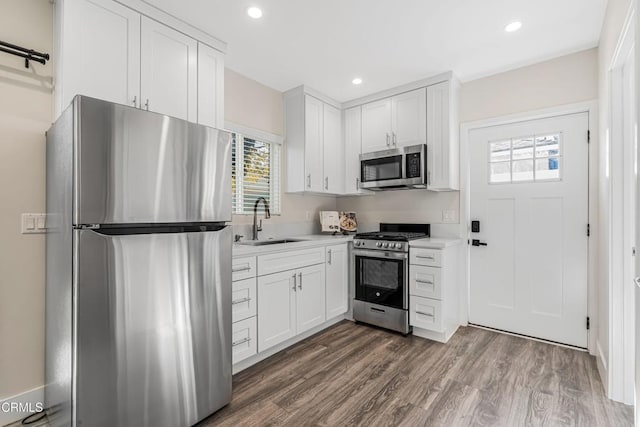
point(434, 243)
point(306, 241)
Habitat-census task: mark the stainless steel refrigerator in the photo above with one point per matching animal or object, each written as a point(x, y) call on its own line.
point(138, 280)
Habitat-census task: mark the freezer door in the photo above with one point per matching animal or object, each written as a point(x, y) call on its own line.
point(153, 328)
point(135, 166)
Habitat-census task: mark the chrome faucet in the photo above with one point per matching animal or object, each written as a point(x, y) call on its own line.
point(267, 215)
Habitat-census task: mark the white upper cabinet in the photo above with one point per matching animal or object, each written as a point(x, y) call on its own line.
point(210, 86)
point(313, 146)
point(99, 47)
point(169, 71)
point(111, 52)
point(409, 118)
point(376, 125)
point(352, 149)
point(443, 162)
point(314, 151)
point(393, 122)
point(333, 159)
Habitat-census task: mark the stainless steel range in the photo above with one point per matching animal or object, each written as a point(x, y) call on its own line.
point(381, 275)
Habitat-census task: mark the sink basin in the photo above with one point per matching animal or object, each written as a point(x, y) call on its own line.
point(267, 242)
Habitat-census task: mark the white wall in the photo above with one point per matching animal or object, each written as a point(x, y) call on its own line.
point(611, 31)
point(254, 105)
point(25, 114)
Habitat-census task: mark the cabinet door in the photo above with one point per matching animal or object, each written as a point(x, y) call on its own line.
point(169, 71)
point(210, 87)
point(243, 299)
point(376, 125)
point(276, 309)
point(409, 118)
point(310, 298)
point(442, 144)
point(313, 149)
point(332, 150)
point(352, 149)
point(100, 47)
point(337, 280)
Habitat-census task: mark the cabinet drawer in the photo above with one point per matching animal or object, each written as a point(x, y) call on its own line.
point(243, 299)
point(244, 339)
point(425, 313)
point(425, 281)
point(428, 257)
point(243, 268)
point(290, 260)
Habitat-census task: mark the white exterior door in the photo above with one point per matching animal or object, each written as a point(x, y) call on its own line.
point(529, 190)
point(101, 57)
point(276, 309)
point(337, 280)
point(409, 118)
point(333, 158)
point(376, 125)
point(310, 298)
point(169, 71)
point(314, 151)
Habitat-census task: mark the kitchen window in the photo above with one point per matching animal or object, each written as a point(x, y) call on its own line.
point(255, 172)
point(528, 159)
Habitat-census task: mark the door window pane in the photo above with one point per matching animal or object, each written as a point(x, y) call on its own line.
point(522, 170)
point(523, 148)
point(500, 151)
point(547, 169)
point(548, 145)
point(500, 172)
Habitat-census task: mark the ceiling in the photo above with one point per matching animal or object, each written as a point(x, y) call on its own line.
point(326, 43)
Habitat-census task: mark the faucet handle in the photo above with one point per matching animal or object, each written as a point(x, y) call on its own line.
point(260, 226)
point(237, 238)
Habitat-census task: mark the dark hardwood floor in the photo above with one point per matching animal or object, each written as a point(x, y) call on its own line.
point(352, 374)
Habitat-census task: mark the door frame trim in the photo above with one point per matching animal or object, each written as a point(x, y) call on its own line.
point(589, 107)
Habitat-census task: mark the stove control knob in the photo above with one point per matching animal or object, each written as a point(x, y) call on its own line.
point(356, 243)
point(378, 244)
point(398, 245)
point(385, 245)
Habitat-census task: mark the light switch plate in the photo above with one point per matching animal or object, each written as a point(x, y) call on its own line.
point(34, 223)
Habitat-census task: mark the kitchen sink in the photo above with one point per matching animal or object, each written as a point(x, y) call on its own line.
point(267, 242)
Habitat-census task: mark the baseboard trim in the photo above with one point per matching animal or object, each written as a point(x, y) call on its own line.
point(30, 402)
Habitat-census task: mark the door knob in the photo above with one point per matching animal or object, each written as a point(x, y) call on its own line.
point(476, 242)
point(637, 281)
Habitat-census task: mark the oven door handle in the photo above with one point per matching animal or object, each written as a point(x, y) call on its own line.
point(380, 254)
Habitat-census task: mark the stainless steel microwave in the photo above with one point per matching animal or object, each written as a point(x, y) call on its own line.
point(394, 169)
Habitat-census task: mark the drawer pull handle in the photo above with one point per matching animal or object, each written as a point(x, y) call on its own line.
point(428, 282)
point(241, 300)
point(239, 342)
point(238, 270)
point(431, 257)
point(378, 310)
point(425, 314)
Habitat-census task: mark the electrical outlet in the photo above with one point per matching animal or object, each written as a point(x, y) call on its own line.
point(34, 223)
point(449, 216)
point(307, 215)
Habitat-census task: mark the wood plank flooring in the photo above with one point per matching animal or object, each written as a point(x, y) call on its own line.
point(353, 374)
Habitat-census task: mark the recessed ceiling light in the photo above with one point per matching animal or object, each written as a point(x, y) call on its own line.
point(356, 81)
point(514, 26)
point(254, 12)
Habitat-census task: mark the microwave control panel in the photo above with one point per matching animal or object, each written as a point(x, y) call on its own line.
point(413, 165)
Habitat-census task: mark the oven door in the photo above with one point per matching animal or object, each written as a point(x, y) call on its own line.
point(381, 278)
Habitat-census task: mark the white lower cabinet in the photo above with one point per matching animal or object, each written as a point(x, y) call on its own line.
point(244, 339)
point(433, 292)
point(290, 303)
point(337, 280)
point(244, 299)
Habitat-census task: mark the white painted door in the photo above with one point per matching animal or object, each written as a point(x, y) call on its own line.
point(210, 87)
point(313, 149)
point(337, 280)
point(376, 125)
point(352, 149)
point(529, 190)
point(276, 309)
point(101, 52)
point(169, 71)
point(310, 297)
point(409, 118)
point(333, 159)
